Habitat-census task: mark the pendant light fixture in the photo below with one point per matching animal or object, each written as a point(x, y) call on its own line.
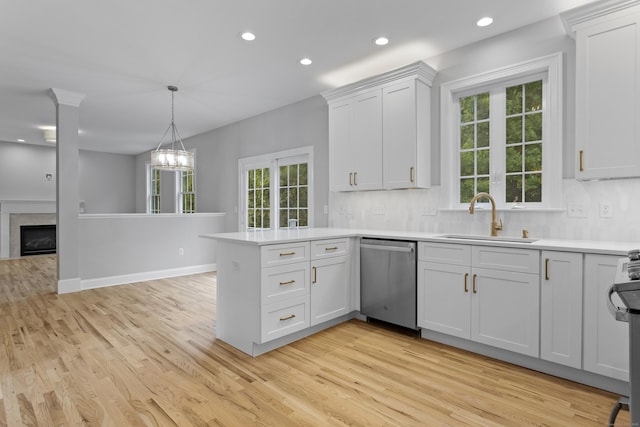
point(175, 158)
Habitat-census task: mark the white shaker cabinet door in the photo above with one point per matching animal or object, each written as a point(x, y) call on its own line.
point(606, 341)
point(561, 308)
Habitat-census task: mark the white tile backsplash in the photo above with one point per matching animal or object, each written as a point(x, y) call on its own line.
point(420, 210)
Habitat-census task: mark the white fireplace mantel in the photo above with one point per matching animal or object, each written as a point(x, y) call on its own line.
point(8, 207)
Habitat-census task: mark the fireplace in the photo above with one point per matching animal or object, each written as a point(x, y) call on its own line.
point(37, 239)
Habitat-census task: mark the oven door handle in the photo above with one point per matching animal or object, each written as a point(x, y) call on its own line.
point(621, 314)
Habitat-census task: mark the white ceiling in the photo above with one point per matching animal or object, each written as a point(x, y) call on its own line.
point(122, 54)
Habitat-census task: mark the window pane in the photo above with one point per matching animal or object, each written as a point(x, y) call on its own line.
point(533, 127)
point(467, 190)
point(251, 180)
point(251, 199)
point(302, 197)
point(284, 175)
point(303, 219)
point(293, 214)
point(266, 219)
point(514, 130)
point(293, 175)
point(533, 96)
point(533, 157)
point(266, 200)
point(483, 106)
point(258, 194)
point(466, 163)
point(258, 178)
point(514, 159)
point(266, 182)
point(533, 187)
point(483, 185)
point(483, 134)
point(293, 197)
point(467, 109)
point(483, 162)
point(514, 100)
point(251, 218)
point(466, 137)
point(284, 198)
point(514, 188)
point(302, 173)
point(283, 218)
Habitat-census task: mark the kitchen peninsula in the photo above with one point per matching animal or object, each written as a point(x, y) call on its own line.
point(275, 287)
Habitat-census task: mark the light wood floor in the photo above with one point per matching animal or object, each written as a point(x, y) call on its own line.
point(146, 355)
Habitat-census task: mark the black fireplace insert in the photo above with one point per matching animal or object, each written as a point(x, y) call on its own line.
point(37, 239)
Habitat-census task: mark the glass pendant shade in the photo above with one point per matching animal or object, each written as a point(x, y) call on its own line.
point(174, 158)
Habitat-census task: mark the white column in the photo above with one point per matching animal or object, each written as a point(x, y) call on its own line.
point(67, 188)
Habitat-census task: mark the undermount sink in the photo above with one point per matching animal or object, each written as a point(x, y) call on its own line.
point(489, 238)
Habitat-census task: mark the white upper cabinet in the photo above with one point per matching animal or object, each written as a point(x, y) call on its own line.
point(379, 131)
point(607, 89)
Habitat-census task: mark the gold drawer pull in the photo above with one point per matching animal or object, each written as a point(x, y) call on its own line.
point(287, 253)
point(335, 248)
point(412, 178)
point(315, 274)
point(475, 291)
point(291, 316)
point(581, 160)
point(290, 282)
point(466, 276)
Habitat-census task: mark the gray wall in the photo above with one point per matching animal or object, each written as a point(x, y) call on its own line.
point(106, 180)
point(217, 152)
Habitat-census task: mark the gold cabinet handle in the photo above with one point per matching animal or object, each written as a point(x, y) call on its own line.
point(412, 174)
point(546, 269)
point(350, 178)
point(291, 316)
point(355, 178)
point(289, 282)
point(581, 158)
point(315, 275)
point(287, 253)
point(475, 291)
point(466, 276)
point(333, 248)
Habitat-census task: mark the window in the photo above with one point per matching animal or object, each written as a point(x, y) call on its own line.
point(502, 135)
point(186, 192)
point(153, 190)
point(276, 190)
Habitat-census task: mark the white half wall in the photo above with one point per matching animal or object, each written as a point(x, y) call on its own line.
point(126, 248)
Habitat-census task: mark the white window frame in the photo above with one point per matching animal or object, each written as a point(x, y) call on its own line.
point(178, 187)
point(150, 192)
point(551, 67)
point(273, 161)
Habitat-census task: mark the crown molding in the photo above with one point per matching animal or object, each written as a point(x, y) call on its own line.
point(418, 70)
point(588, 12)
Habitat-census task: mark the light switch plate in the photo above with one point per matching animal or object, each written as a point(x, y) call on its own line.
point(606, 209)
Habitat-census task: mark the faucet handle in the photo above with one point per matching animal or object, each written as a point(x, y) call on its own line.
point(499, 227)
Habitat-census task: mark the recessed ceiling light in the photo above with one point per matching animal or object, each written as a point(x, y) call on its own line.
point(483, 22)
point(248, 36)
point(381, 41)
point(20, 140)
point(305, 61)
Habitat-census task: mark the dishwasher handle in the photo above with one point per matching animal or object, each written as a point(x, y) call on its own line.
point(406, 249)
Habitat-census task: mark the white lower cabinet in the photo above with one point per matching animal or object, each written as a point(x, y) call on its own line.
point(606, 341)
point(330, 288)
point(459, 295)
point(561, 308)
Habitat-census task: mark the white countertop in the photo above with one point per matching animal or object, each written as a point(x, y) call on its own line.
point(270, 237)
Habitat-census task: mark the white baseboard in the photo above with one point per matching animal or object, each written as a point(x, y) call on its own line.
point(103, 282)
point(67, 286)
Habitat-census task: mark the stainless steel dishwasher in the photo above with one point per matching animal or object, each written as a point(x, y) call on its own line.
point(388, 281)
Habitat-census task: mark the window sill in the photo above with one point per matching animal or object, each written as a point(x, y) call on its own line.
point(517, 210)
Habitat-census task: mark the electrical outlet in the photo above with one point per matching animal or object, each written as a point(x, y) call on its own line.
point(429, 210)
point(379, 210)
point(606, 209)
point(180, 251)
point(576, 210)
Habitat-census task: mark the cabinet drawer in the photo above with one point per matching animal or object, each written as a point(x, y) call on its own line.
point(284, 318)
point(518, 260)
point(284, 281)
point(329, 248)
point(286, 253)
point(446, 253)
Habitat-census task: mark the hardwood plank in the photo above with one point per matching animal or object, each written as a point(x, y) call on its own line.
point(146, 354)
